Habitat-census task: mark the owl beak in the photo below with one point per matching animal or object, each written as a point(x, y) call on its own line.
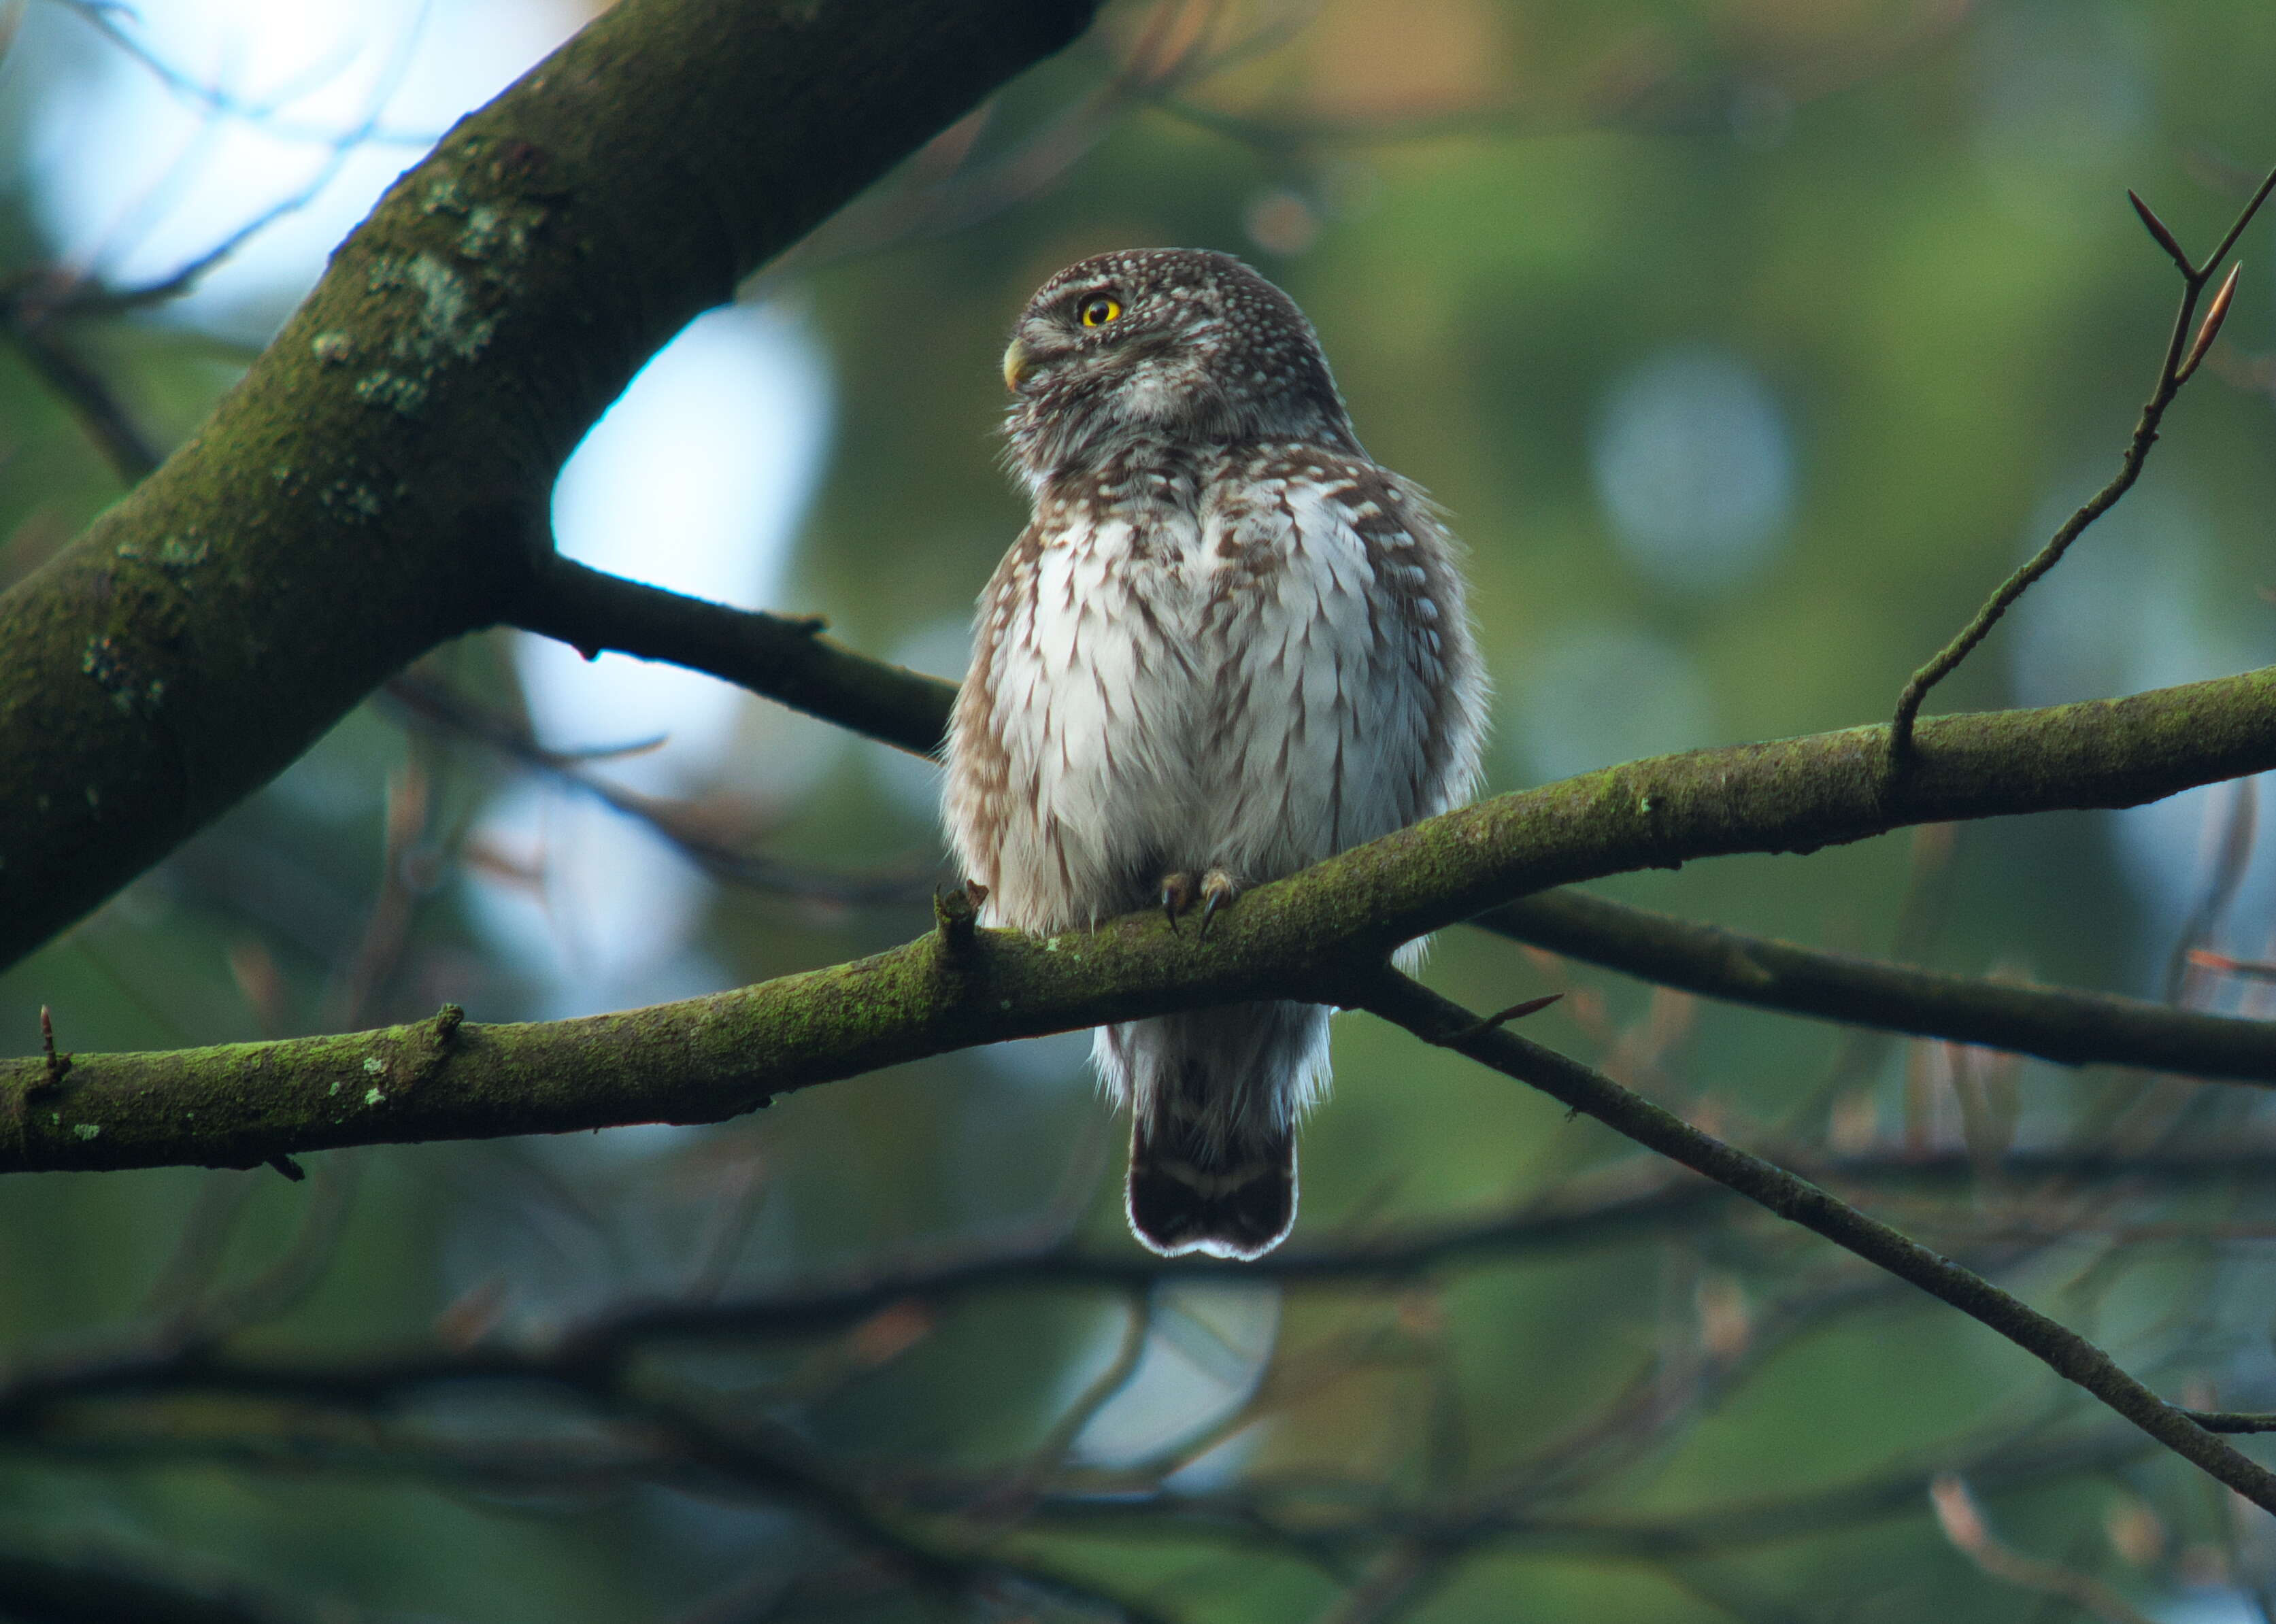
point(1015, 364)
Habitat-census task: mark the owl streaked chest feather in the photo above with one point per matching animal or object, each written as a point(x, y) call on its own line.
point(1092, 679)
point(1200, 660)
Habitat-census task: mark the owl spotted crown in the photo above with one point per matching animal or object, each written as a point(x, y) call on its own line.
point(1179, 345)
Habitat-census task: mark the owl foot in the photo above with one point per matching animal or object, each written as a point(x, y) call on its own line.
point(1213, 889)
point(1178, 891)
point(1217, 889)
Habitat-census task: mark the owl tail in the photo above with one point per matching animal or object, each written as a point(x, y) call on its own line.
point(1215, 1096)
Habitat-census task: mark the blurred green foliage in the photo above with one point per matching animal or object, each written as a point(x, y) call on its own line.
point(1904, 226)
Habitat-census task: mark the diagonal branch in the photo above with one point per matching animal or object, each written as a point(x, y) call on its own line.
point(82, 388)
point(1407, 1003)
point(783, 659)
point(1963, 1524)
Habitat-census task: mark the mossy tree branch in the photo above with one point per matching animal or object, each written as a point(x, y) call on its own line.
point(790, 660)
point(1302, 938)
point(378, 482)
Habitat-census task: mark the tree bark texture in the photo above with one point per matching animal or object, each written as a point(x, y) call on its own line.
point(379, 481)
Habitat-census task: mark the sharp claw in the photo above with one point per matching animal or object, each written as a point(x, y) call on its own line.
point(1217, 889)
point(1177, 897)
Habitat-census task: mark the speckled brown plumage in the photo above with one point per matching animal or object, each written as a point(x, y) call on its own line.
point(1228, 646)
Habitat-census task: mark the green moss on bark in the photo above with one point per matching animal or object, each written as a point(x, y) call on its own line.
point(1321, 935)
point(378, 482)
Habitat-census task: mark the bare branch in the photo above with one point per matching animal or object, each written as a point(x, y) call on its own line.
point(2232, 1420)
point(2054, 1023)
point(786, 660)
point(2172, 372)
point(1433, 1019)
point(430, 706)
point(1963, 1524)
point(84, 390)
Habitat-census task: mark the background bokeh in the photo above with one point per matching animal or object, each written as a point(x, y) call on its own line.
point(1749, 343)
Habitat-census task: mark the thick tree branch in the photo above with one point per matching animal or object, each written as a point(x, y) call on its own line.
point(2054, 1023)
point(1433, 1019)
point(379, 481)
point(1302, 938)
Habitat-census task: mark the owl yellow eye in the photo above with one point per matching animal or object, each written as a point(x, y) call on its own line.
point(1099, 311)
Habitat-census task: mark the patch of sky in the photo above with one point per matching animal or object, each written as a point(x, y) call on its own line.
point(134, 174)
point(1600, 691)
point(2143, 600)
point(1694, 465)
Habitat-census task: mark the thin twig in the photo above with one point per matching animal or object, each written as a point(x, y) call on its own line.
point(37, 303)
point(2232, 1420)
point(2181, 359)
point(53, 1063)
point(437, 709)
point(221, 104)
point(1049, 1455)
point(85, 393)
point(1407, 1003)
point(1963, 1524)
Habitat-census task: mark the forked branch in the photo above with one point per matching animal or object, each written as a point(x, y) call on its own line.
point(2183, 352)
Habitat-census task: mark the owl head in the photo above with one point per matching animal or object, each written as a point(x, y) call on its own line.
point(1176, 344)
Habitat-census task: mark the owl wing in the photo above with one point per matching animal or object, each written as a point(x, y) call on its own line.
point(1065, 754)
point(1349, 697)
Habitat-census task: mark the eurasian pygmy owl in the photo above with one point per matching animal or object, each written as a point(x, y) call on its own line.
point(1228, 646)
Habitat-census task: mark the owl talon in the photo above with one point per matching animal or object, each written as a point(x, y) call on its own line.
point(1177, 895)
point(1217, 889)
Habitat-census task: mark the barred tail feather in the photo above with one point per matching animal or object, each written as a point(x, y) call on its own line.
point(1215, 1096)
point(1239, 1206)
